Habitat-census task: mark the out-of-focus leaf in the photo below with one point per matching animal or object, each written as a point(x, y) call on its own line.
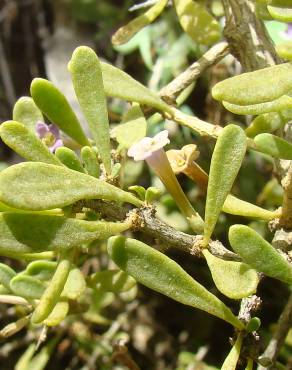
point(125, 33)
point(258, 253)
point(115, 281)
point(274, 146)
point(27, 286)
point(132, 129)
point(56, 107)
point(58, 314)
point(225, 163)
point(41, 186)
point(234, 279)
point(281, 13)
point(51, 295)
point(197, 22)
point(41, 270)
point(268, 122)
point(85, 70)
point(6, 274)
point(26, 112)
point(160, 273)
point(284, 49)
point(75, 284)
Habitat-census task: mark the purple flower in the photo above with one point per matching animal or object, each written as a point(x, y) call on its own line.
point(289, 31)
point(50, 135)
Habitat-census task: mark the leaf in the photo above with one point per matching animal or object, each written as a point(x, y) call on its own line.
point(26, 112)
point(236, 206)
point(274, 146)
point(56, 107)
point(132, 129)
point(115, 281)
point(52, 294)
point(158, 272)
point(41, 270)
point(282, 14)
point(25, 143)
point(263, 85)
point(225, 163)
point(236, 280)
point(27, 286)
point(284, 102)
point(90, 161)
point(30, 233)
point(197, 22)
point(284, 49)
point(120, 85)
point(6, 274)
point(231, 360)
point(58, 314)
point(69, 158)
point(75, 284)
point(258, 253)
point(40, 186)
point(125, 33)
point(14, 327)
point(86, 74)
point(268, 122)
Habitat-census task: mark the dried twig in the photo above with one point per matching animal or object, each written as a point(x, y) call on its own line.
point(171, 91)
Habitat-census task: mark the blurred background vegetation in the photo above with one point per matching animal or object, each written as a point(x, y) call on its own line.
point(37, 38)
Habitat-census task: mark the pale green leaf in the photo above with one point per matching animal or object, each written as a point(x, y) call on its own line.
point(158, 272)
point(277, 105)
point(120, 85)
point(258, 253)
point(52, 294)
point(69, 158)
point(231, 360)
point(236, 206)
point(31, 233)
point(225, 163)
point(234, 279)
point(25, 143)
point(86, 74)
point(26, 112)
point(263, 85)
point(40, 186)
point(90, 161)
point(56, 107)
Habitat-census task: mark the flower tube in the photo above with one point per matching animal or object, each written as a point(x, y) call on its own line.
point(151, 150)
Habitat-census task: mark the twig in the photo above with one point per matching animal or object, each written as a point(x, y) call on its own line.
point(145, 220)
point(273, 348)
point(171, 91)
